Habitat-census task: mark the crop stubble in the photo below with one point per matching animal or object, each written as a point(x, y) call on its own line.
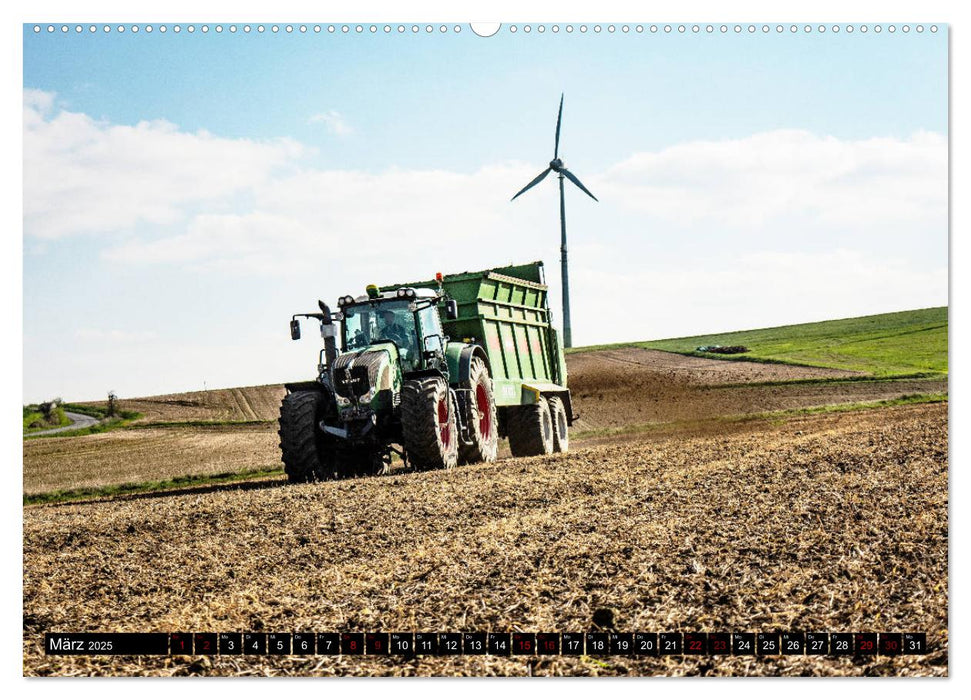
point(832, 522)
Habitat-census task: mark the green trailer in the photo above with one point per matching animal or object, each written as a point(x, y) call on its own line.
point(505, 311)
point(434, 372)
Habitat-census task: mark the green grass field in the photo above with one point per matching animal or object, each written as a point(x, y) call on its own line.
point(885, 345)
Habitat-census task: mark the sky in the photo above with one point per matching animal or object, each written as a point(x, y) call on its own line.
point(184, 194)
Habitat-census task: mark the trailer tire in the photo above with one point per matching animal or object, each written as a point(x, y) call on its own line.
point(428, 423)
point(531, 430)
point(305, 452)
point(561, 426)
point(484, 426)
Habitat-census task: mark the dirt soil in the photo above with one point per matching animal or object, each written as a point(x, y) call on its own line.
point(611, 388)
point(148, 454)
point(248, 403)
point(835, 522)
point(618, 388)
point(697, 370)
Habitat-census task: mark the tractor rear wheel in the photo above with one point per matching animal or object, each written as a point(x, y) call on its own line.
point(484, 428)
point(428, 423)
point(561, 426)
point(306, 456)
point(531, 430)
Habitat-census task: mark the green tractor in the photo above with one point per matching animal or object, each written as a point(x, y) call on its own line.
point(434, 372)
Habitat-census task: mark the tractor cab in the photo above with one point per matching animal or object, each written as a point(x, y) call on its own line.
point(408, 318)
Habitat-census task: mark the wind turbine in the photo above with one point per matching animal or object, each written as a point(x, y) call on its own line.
point(556, 166)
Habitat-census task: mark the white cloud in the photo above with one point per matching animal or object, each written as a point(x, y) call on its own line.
point(334, 121)
point(88, 176)
point(754, 289)
point(263, 214)
point(97, 335)
point(775, 228)
point(749, 182)
point(394, 220)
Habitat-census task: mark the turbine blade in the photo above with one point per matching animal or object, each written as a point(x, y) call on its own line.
point(536, 181)
point(575, 181)
point(559, 118)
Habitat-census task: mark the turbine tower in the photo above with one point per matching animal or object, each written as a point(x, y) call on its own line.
point(556, 166)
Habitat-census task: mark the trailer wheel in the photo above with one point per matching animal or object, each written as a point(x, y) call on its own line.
point(561, 426)
point(531, 430)
point(428, 423)
point(484, 428)
point(306, 456)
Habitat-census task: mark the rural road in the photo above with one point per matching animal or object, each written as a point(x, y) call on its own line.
point(78, 420)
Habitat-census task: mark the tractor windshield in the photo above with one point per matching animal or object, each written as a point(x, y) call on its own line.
point(365, 324)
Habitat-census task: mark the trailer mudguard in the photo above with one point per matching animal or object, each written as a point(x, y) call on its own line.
point(459, 356)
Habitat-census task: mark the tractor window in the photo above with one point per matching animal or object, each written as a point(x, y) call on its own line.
point(358, 327)
point(431, 324)
point(366, 323)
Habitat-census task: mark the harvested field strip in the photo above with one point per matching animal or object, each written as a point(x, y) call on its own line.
point(148, 486)
point(825, 522)
point(693, 425)
point(215, 424)
point(146, 455)
point(235, 404)
point(605, 399)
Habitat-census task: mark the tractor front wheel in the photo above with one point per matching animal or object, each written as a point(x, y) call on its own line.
point(428, 423)
point(306, 456)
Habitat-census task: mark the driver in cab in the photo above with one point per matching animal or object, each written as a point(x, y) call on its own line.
point(390, 329)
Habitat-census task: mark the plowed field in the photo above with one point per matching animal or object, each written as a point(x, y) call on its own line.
point(835, 522)
point(830, 522)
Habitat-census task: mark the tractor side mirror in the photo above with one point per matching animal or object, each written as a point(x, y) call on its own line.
point(451, 310)
point(432, 346)
point(295, 329)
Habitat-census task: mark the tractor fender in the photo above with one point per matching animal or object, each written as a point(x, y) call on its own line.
point(459, 358)
point(311, 385)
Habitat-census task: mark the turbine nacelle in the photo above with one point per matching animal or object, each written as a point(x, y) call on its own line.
point(556, 165)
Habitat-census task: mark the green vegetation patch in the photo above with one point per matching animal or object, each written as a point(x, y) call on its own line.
point(884, 345)
point(85, 409)
point(44, 417)
point(121, 421)
point(148, 486)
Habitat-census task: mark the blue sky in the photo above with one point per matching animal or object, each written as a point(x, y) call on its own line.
point(195, 190)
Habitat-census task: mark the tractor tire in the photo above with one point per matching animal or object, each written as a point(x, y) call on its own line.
point(484, 428)
point(306, 456)
point(531, 430)
point(428, 423)
point(561, 425)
